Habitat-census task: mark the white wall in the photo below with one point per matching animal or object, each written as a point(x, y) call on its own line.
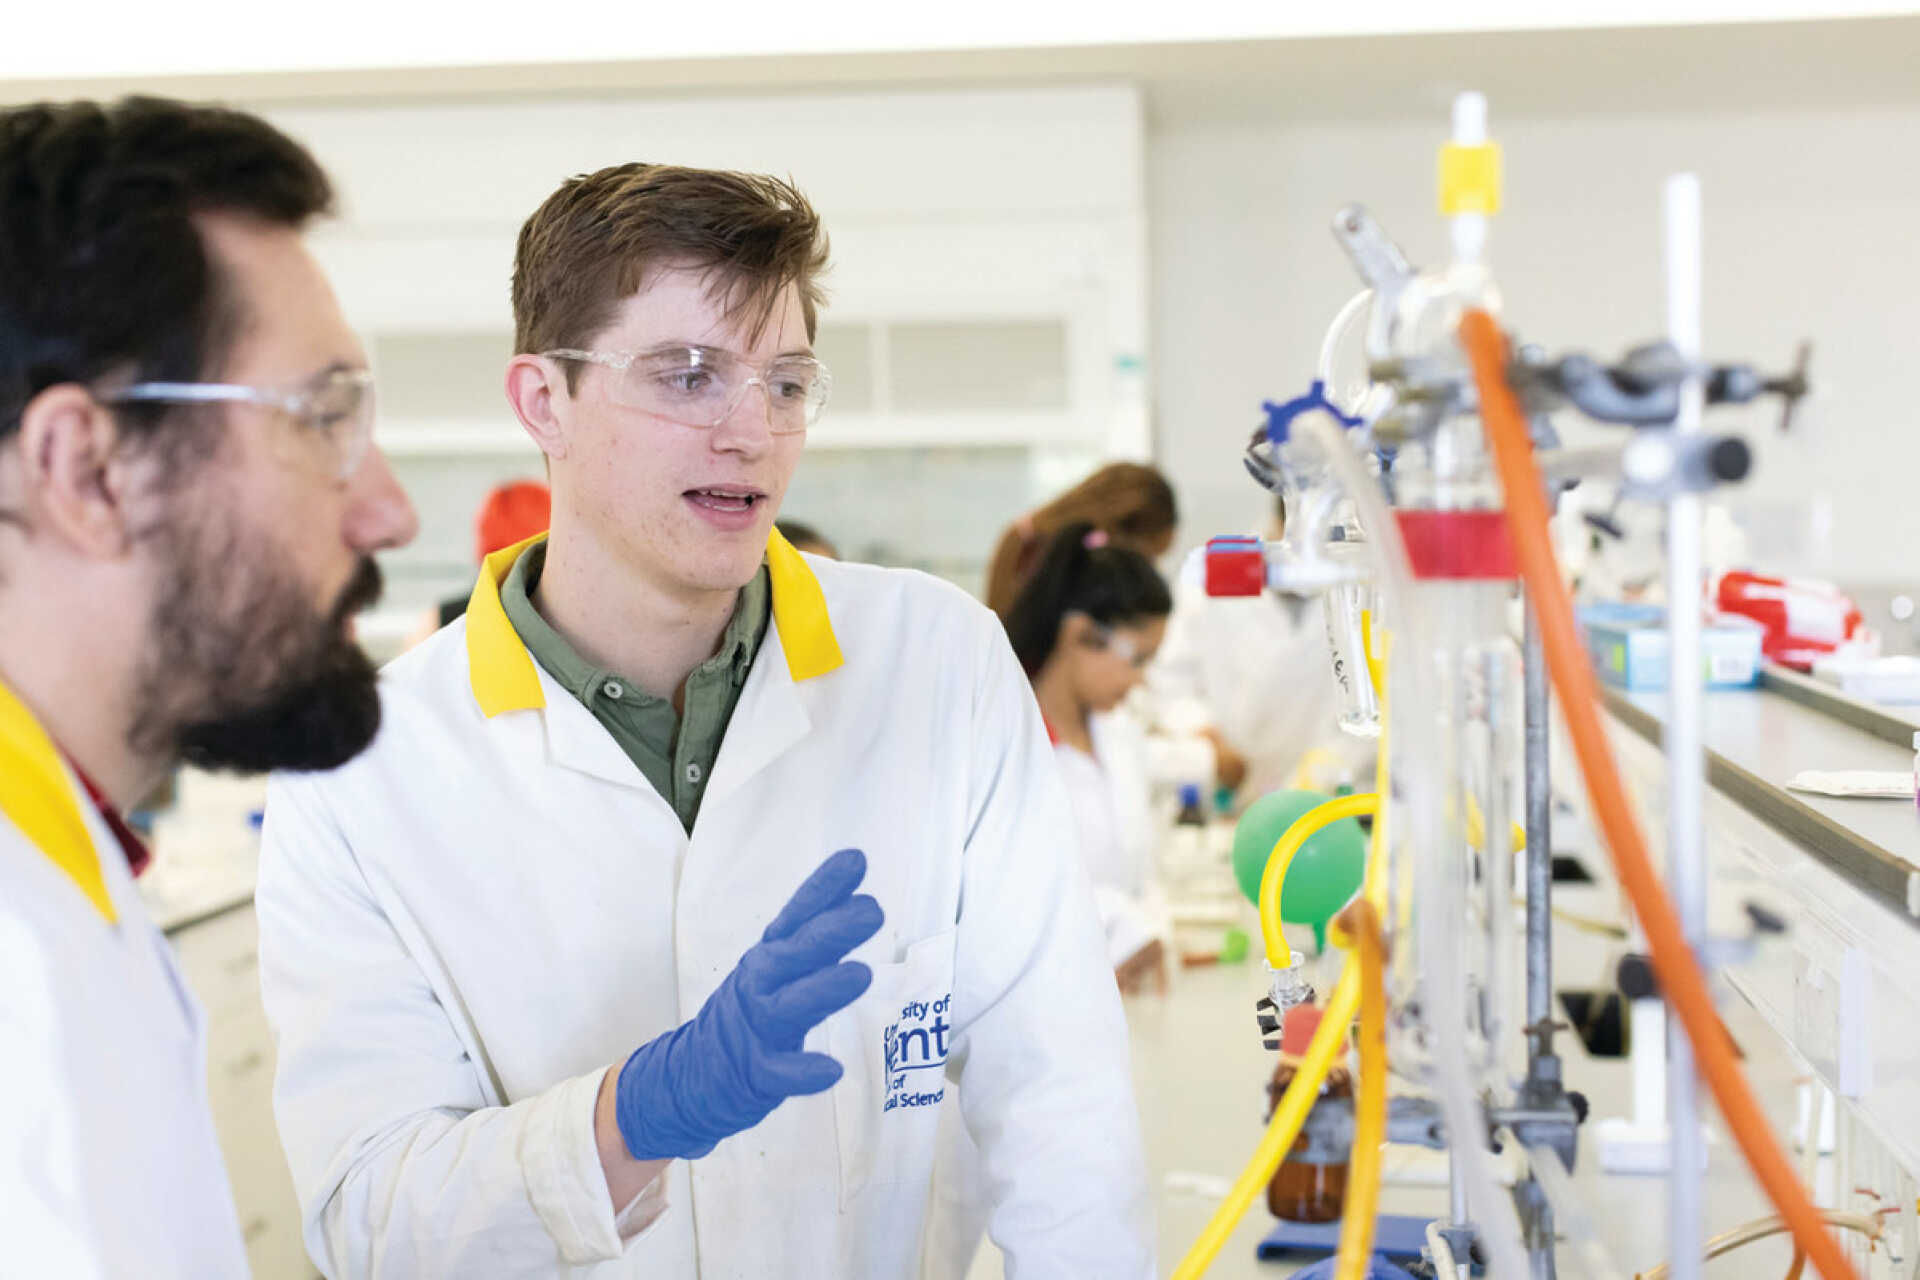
point(1810, 224)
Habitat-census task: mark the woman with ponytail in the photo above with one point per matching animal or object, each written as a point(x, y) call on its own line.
point(1084, 628)
point(1129, 502)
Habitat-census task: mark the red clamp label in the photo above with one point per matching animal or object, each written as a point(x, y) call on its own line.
point(1236, 566)
point(1458, 544)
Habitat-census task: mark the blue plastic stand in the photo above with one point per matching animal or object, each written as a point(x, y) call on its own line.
point(1396, 1237)
point(1378, 1269)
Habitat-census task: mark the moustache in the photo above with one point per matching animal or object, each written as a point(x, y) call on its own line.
point(362, 592)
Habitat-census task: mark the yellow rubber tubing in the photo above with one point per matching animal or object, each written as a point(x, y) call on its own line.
point(1284, 1129)
point(1279, 955)
point(1376, 667)
point(1361, 923)
point(1328, 1040)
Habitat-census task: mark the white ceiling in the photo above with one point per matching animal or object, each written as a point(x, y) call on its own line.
point(1708, 66)
point(219, 37)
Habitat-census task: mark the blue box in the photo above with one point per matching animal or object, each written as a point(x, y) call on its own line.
point(1628, 645)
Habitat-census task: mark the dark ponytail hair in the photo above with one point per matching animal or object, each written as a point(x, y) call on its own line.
point(1115, 586)
point(1130, 501)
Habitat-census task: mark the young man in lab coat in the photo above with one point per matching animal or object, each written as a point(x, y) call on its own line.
point(188, 509)
point(593, 793)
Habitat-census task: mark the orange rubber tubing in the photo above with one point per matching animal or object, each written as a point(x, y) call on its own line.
point(1361, 925)
point(1680, 978)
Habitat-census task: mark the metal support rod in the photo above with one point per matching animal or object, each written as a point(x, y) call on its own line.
point(1536, 1220)
point(1536, 1210)
point(1539, 844)
point(1583, 1235)
point(1457, 1193)
point(1686, 753)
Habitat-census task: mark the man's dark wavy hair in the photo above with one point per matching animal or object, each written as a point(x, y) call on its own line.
point(103, 272)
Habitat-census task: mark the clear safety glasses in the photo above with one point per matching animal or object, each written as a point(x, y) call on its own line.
point(337, 408)
point(702, 386)
point(1121, 646)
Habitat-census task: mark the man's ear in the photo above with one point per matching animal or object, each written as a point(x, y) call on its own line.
point(75, 477)
point(537, 388)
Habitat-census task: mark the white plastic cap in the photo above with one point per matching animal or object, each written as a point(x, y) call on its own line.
point(1470, 119)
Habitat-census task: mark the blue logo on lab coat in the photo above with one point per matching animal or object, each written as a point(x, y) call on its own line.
point(915, 1045)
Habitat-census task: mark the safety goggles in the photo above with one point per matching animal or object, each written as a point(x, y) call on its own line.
point(1123, 647)
point(703, 386)
point(337, 407)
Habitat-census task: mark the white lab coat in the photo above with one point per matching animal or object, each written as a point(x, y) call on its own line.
point(464, 927)
point(1246, 667)
point(109, 1166)
point(1110, 793)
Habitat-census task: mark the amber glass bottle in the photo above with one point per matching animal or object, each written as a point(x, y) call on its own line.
point(1302, 1192)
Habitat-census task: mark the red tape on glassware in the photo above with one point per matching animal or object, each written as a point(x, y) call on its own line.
point(1459, 544)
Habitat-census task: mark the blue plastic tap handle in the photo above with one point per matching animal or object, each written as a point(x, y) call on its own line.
point(1280, 416)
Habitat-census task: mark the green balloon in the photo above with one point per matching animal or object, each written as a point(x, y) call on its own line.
point(1326, 872)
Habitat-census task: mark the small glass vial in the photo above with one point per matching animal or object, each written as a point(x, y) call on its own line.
point(1299, 1191)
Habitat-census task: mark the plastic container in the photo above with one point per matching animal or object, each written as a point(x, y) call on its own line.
point(1191, 814)
point(1299, 1191)
point(1893, 679)
point(1804, 619)
point(1628, 645)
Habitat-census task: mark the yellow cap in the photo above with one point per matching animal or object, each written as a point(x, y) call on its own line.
point(1470, 179)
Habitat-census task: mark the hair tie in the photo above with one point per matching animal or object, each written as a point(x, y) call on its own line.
point(1023, 527)
point(1095, 539)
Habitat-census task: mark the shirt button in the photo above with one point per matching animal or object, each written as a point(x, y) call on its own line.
point(613, 689)
point(693, 774)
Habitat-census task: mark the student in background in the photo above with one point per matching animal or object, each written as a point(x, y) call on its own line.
point(1133, 505)
point(1084, 628)
point(1129, 502)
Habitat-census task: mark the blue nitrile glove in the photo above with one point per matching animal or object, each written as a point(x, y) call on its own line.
point(740, 1057)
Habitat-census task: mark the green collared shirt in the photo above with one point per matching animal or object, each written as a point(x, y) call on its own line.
point(675, 751)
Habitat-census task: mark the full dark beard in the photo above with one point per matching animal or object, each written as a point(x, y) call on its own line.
point(243, 673)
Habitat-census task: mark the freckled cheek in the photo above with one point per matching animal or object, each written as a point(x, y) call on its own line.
point(632, 478)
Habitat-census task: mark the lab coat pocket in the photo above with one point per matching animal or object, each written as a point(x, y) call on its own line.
point(893, 1045)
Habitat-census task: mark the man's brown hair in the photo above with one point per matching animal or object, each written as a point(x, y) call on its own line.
point(594, 241)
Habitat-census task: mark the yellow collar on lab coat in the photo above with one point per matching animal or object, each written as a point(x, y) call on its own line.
point(41, 800)
point(503, 674)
